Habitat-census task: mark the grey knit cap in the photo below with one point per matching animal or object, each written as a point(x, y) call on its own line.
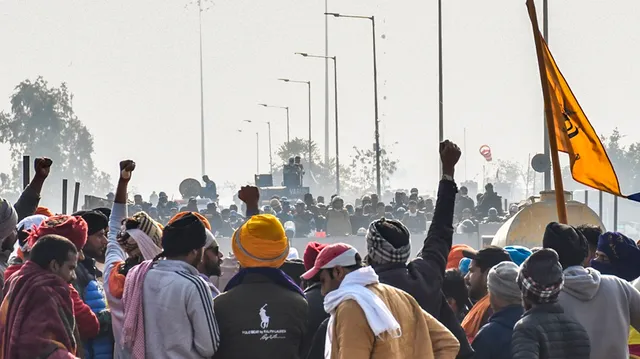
point(502, 281)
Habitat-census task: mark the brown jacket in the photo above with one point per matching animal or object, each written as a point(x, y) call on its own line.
point(422, 335)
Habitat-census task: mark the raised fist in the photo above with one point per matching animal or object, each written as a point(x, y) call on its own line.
point(42, 167)
point(449, 155)
point(249, 195)
point(126, 167)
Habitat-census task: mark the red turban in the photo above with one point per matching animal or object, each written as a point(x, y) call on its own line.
point(72, 228)
point(311, 253)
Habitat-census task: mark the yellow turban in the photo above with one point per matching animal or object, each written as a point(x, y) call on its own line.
point(260, 242)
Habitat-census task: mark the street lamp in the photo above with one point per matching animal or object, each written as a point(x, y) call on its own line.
point(375, 90)
point(257, 151)
point(283, 108)
point(335, 82)
point(270, 152)
point(308, 83)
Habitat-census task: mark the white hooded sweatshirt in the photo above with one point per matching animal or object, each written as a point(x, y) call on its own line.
point(605, 305)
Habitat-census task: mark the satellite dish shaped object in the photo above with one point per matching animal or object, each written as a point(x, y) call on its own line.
point(540, 163)
point(190, 188)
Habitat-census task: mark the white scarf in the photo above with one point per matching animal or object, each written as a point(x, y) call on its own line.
point(377, 313)
point(146, 245)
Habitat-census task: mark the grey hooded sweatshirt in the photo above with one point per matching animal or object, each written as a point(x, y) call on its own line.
point(605, 305)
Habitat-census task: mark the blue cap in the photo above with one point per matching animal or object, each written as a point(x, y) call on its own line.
point(518, 254)
point(464, 266)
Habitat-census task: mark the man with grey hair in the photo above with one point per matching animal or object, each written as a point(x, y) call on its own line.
point(494, 339)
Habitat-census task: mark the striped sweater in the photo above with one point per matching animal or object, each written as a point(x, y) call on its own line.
point(178, 313)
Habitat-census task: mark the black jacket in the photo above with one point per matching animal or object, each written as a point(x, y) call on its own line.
point(423, 276)
point(259, 319)
point(494, 339)
point(316, 315)
point(545, 332)
point(317, 346)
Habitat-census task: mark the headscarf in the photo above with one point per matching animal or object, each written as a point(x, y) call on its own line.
point(386, 246)
point(145, 236)
point(455, 255)
point(623, 253)
point(70, 227)
point(260, 242)
point(28, 224)
point(8, 219)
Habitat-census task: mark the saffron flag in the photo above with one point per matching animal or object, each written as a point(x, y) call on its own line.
point(590, 164)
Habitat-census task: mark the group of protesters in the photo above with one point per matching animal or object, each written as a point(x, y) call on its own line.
point(105, 283)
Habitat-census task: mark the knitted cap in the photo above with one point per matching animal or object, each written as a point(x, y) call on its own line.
point(8, 219)
point(541, 278)
point(502, 282)
point(183, 235)
point(570, 245)
point(96, 220)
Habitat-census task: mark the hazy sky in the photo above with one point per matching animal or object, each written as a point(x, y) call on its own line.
point(133, 68)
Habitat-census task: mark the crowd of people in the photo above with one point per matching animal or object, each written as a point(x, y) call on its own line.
point(106, 283)
point(311, 216)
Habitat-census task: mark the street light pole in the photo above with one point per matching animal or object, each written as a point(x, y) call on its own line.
point(375, 96)
point(308, 83)
point(257, 152)
point(545, 135)
point(326, 84)
point(287, 108)
point(440, 81)
point(335, 82)
point(270, 151)
point(280, 107)
point(375, 93)
point(202, 151)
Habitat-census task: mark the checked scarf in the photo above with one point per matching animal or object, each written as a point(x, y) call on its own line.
point(538, 293)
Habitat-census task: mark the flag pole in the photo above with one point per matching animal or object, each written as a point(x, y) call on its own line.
point(555, 161)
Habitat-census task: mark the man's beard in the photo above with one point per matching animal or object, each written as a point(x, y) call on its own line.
point(98, 256)
point(214, 270)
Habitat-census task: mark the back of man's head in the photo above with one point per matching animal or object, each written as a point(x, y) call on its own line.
point(570, 245)
point(591, 233)
point(51, 247)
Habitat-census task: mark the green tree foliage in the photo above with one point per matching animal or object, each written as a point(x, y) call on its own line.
point(363, 170)
point(42, 123)
point(357, 175)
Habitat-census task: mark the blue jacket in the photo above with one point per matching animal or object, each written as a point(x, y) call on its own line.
point(100, 347)
point(92, 294)
point(494, 339)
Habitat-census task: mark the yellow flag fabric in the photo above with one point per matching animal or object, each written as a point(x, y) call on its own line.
point(575, 136)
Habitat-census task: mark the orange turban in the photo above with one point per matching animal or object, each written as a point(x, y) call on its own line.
point(260, 242)
point(455, 255)
point(44, 211)
point(202, 218)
